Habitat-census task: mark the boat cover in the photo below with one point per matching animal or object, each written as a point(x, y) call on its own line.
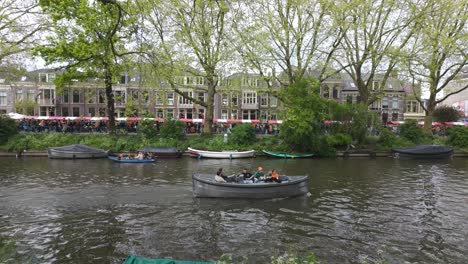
point(158, 149)
point(425, 149)
point(141, 260)
point(78, 148)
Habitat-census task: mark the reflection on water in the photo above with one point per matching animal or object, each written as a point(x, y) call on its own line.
point(97, 211)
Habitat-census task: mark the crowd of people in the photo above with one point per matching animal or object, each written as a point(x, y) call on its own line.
point(139, 156)
point(100, 126)
point(246, 177)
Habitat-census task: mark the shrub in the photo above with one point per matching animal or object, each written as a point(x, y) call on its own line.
point(458, 137)
point(147, 129)
point(172, 129)
point(243, 134)
point(339, 140)
point(387, 138)
point(8, 128)
point(412, 132)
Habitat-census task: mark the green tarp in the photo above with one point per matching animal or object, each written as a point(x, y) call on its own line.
point(140, 260)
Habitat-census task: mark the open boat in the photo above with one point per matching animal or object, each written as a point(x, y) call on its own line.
point(424, 152)
point(116, 159)
point(287, 155)
point(225, 154)
point(163, 152)
point(76, 151)
point(204, 185)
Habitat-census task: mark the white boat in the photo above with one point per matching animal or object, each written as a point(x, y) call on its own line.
point(76, 151)
point(225, 154)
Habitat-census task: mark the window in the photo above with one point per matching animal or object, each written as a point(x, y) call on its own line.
point(92, 111)
point(325, 91)
point(159, 113)
point(412, 107)
point(385, 103)
point(264, 100)
point(249, 98)
point(234, 100)
point(273, 101)
point(102, 112)
point(135, 95)
point(184, 100)
point(189, 113)
point(224, 114)
point(119, 97)
point(224, 99)
point(170, 113)
point(394, 116)
point(375, 85)
point(201, 113)
point(249, 114)
point(234, 114)
point(181, 113)
point(201, 96)
point(335, 93)
point(43, 77)
point(43, 111)
point(146, 97)
point(19, 95)
point(188, 80)
point(64, 111)
point(395, 103)
point(349, 99)
point(30, 95)
point(65, 96)
point(76, 111)
point(170, 98)
point(200, 80)
point(159, 98)
point(76, 96)
point(102, 96)
point(3, 98)
point(273, 115)
point(263, 114)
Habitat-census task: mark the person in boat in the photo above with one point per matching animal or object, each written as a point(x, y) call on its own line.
point(140, 156)
point(273, 176)
point(258, 175)
point(245, 175)
point(220, 177)
point(121, 156)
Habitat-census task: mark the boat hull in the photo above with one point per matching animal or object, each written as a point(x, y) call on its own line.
point(57, 154)
point(221, 154)
point(423, 152)
point(287, 155)
point(115, 159)
point(205, 186)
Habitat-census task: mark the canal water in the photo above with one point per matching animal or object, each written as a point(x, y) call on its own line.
point(97, 211)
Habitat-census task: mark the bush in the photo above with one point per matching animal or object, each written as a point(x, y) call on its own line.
point(147, 129)
point(339, 140)
point(458, 137)
point(243, 134)
point(387, 138)
point(412, 132)
point(8, 128)
point(172, 129)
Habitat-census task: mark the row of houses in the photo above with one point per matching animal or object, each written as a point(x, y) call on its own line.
point(239, 96)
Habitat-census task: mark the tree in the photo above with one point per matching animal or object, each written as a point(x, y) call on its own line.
point(376, 32)
point(189, 35)
point(446, 114)
point(19, 25)
point(293, 36)
point(303, 117)
point(88, 41)
point(438, 51)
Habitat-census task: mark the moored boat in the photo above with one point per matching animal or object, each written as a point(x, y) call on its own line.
point(76, 151)
point(287, 155)
point(424, 152)
point(163, 152)
point(225, 154)
point(204, 185)
point(127, 160)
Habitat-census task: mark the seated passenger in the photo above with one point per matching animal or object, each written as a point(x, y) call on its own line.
point(258, 175)
point(245, 174)
point(220, 177)
point(274, 176)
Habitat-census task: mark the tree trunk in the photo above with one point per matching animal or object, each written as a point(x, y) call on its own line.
point(209, 115)
point(431, 105)
point(110, 101)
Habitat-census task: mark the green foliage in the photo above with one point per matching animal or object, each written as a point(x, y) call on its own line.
point(147, 129)
point(445, 114)
point(8, 128)
point(304, 114)
point(355, 118)
point(172, 128)
point(412, 132)
point(243, 134)
point(458, 137)
point(25, 106)
point(339, 140)
point(387, 138)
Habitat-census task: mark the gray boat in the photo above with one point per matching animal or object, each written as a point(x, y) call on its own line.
point(204, 185)
point(76, 151)
point(424, 152)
